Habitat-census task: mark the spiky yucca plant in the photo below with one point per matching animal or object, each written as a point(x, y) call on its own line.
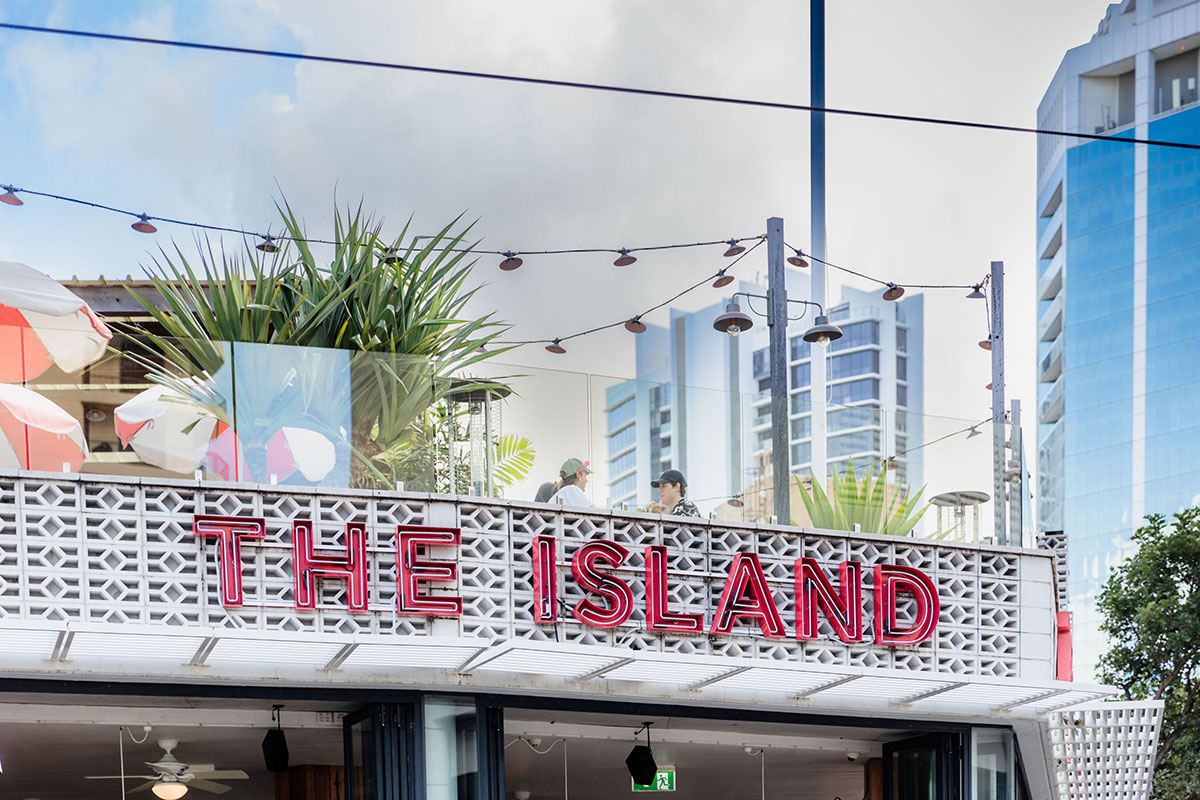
point(862, 501)
point(395, 306)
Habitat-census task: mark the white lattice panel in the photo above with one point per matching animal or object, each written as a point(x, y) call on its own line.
point(1105, 752)
point(108, 551)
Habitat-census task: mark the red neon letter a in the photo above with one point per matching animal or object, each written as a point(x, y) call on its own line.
point(813, 589)
point(746, 595)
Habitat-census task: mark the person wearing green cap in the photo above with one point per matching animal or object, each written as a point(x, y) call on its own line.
point(572, 480)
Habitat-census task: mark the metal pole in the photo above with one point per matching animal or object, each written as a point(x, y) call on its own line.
point(998, 459)
point(1016, 495)
point(816, 33)
point(777, 319)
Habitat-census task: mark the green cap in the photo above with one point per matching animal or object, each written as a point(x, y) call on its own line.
point(573, 466)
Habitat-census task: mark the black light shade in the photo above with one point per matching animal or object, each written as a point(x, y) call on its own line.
point(976, 294)
point(275, 750)
point(556, 348)
point(722, 280)
point(267, 245)
point(734, 249)
point(390, 256)
point(736, 501)
point(797, 260)
point(635, 325)
point(823, 332)
point(511, 261)
point(733, 321)
point(640, 762)
point(624, 260)
point(143, 225)
point(893, 292)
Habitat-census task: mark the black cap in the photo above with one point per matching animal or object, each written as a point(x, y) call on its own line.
point(670, 476)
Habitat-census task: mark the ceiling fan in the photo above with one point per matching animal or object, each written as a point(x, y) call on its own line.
point(172, 778)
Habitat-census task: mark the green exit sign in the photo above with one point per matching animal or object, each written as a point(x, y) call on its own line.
point(664, 781)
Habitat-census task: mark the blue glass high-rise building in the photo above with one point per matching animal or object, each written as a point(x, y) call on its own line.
point(1118, 229)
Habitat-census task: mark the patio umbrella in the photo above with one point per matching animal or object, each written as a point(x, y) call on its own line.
point(37, 434)
point(164, 429)
point(44, 323)
point(300, 450)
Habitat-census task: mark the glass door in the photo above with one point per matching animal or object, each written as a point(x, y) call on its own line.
point(381, 748)
point(923, 768)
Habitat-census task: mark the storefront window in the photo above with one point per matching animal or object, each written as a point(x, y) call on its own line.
point(994, 773)
point(451, 749)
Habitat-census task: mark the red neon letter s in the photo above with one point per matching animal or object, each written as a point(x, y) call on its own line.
point(843, 611)
point(310, 565)
point(545, 580)
point(412, 571)
point(658, 617)
point(891, 579)
point(746, 595)
point(614, 590)
point(229, 531)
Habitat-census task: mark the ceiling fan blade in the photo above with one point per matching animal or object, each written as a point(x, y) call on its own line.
point(118, 777)
point(207, 786)
point(221, 774)
point(144, 786)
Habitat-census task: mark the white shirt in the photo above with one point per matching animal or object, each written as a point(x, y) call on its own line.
point(571, 495)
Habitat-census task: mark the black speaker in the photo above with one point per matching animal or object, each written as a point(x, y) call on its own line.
point(275, 750)
point(640, 762)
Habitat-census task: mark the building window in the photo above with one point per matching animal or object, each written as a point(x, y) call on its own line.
point(764, 385)
point(624, 487)
point(842, 419)
point(902, 340)
point(854, 391)
point(802, 428)
point(801, 454)
point(621, 413)
point(800, 348)
point(850, 443)
point(762, 363)
point(901, 368)
point(623, 464)
point(801, 375)
point(902, 396)
point(622, 439)
point(858, 334)
point(864, 362)
point(800, 403)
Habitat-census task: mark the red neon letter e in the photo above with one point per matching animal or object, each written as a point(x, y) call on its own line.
point(310, 565)
point(843, 610)
point(614, 590)
point(412, 571)
point(891, 579)
point(229, 531)
point(746, 595)
point(658, 617)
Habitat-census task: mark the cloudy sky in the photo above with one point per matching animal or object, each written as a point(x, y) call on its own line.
point(218, 138)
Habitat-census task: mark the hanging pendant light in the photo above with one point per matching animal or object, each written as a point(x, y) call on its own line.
point(733, 321)
point(893, 292)
point(556, 348)
point(274, 744)
point(10, 196)
point(976, 293)
point(511, 261)
point(722, 280)
point(624, 260)
point(143, 225)
point(797, 260)
point(390, 256)
point(635, 325)
point(986, 344)
point(267, 245)
point(822, 332)
point(736, 501)
point(734, 249)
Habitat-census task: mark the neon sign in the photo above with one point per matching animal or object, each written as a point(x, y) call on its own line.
point(745, 596)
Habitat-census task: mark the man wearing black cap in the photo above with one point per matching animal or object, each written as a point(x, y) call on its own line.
point(672, 491)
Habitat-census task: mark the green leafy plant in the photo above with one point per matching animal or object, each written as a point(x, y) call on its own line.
point(512, 461)
point(863, 501)
point(397, 305)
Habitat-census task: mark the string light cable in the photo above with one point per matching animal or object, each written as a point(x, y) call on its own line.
point(597, 87)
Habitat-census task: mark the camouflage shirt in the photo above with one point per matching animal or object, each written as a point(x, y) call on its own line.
point(685, 508)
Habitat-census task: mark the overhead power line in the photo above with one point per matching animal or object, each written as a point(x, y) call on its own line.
point(599, 87)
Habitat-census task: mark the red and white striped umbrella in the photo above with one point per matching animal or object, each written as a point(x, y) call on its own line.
point(165, 429)
point(43, 323)
point(289, 450)
point(37, 434)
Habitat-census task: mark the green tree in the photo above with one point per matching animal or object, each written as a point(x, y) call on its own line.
point(868, 501)
point(1151, 609)
point(397, 304)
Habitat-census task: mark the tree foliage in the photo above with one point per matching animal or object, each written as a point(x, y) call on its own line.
point(1151, 609)
point(863, 501)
